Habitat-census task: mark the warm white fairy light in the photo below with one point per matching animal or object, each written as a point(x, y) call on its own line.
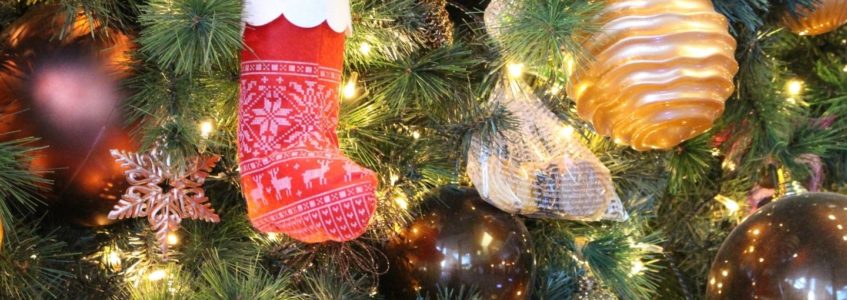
point(206, 128)
point(416, 134)
point(349, 90)
point(365, 48)
point(515, 70)
point(273, 236)
point(402, 202)
point(731, 205)
point(173, 238)
point(157, 275)
point(114, 260)
point(637, 267)
point(794, 87)
point(567, 131)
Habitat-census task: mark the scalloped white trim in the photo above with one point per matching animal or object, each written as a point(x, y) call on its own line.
point(301, 13)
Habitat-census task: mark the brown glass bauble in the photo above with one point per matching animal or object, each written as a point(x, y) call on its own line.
point(659, 74)
point(792, 248)
point(66, 92)
point(826, 16)
point(460, 241)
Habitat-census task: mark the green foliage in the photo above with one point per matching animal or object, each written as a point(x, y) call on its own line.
point(32, 266)
point(19, 184)
point(546, 35)
point(190, 35)
point(327, 286)
point(555, 286)
point(429, 82)
point(174, 284)
point(386, 27)
point(222, 280)
point(691, 164)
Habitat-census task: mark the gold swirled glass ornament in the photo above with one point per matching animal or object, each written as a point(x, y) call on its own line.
point(826, 16)
point(660, 73)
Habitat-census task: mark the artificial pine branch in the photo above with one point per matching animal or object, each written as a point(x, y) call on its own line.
point(33, 265)
point(191, 35)
point(20, 185)
point(546, 35)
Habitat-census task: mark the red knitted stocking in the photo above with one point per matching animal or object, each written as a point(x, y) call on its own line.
point(295, 178)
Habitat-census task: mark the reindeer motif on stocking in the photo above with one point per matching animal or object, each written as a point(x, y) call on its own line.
point(288, 115)
point(280, 183)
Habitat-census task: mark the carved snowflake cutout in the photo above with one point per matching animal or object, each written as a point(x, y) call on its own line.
point(163, 193)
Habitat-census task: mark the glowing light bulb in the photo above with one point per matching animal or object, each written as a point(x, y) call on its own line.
point(350, 90)
point(637, 267)
point(173, 238)
point(486, 240)
point(114, 258)
point(402, 202)
point(157, 275)
point(730, 205)
point(794, 87)
point(365, 48)
point(416, 134)
point(206, 128)
point(515, 70)
point(273, 236)
point(567, 132)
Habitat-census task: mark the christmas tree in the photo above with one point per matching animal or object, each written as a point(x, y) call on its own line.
point(394, 149)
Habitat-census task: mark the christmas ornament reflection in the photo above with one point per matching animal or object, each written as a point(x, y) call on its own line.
point(793, 248)
point(826, 16)
point(460, 241)
point(660, 73)
point(66, 92)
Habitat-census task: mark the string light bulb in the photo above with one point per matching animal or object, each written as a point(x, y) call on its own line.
point(350, 87)
point(730, 205)
point(365, 48)
point(173, 238)
point(157, 275)
point(402, 202)
point(637, 267)
point(114, 261)
point(515, 70)
point(794, 87)
point(273, 236)
point(206, 128)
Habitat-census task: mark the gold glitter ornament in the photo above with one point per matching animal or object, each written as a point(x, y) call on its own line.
point(826, 16)
point(660, 73)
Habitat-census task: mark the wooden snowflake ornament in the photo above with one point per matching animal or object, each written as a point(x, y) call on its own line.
point(163, 193)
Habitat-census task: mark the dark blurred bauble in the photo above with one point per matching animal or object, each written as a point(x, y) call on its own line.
point(460, 241)
point(792, 248)
point(66, 91)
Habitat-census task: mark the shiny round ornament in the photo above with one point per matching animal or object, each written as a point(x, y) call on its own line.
point(66, 92)
point(826, 16)
point(460, 241)
point(659, 74)
point(792, 248)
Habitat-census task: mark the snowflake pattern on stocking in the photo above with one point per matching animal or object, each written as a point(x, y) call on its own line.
point(294, 176)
